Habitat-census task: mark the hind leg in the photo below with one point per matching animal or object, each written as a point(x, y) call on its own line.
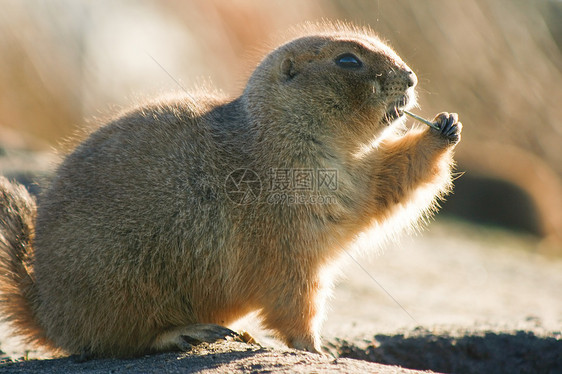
point(183, 338)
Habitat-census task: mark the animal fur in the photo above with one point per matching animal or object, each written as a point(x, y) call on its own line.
point(137, 239)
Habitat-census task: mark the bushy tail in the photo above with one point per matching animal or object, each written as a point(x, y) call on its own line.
point(18, 293)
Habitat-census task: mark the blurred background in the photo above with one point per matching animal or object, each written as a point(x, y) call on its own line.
point(498, 63)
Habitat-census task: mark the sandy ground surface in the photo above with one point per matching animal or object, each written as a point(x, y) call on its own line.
point(471, 301)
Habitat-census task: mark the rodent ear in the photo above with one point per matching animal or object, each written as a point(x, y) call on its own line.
point(288, 68)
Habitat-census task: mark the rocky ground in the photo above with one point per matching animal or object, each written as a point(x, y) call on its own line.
point(454, 299)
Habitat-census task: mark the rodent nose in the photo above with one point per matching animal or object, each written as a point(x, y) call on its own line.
point(412, 79)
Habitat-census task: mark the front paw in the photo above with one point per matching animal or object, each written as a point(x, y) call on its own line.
point(312, 346)
point(449, 127)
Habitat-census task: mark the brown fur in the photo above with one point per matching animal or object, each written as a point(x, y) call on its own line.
point(136, 238)
point(17, 282)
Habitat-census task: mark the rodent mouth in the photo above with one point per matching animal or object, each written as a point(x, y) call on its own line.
point(395, 109)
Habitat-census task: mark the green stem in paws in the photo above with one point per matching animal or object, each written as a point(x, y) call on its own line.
point(423, 120)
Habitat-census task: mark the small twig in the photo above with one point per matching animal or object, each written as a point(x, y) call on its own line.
point(423, 120)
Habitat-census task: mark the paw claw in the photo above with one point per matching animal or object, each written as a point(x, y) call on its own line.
point(184, 338)
point(313, 346)
point(449, 126)
point(186, 342)
point(453, 130)
point(208, 333)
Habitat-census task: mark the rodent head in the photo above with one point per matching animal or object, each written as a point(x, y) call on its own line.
point(345, 83)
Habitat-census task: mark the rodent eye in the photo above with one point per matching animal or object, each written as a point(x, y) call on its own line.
point(348, 60)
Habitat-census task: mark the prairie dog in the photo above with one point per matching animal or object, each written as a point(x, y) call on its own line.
point(161, 225)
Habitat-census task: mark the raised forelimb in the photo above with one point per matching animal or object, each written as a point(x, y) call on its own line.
point(421, 159)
